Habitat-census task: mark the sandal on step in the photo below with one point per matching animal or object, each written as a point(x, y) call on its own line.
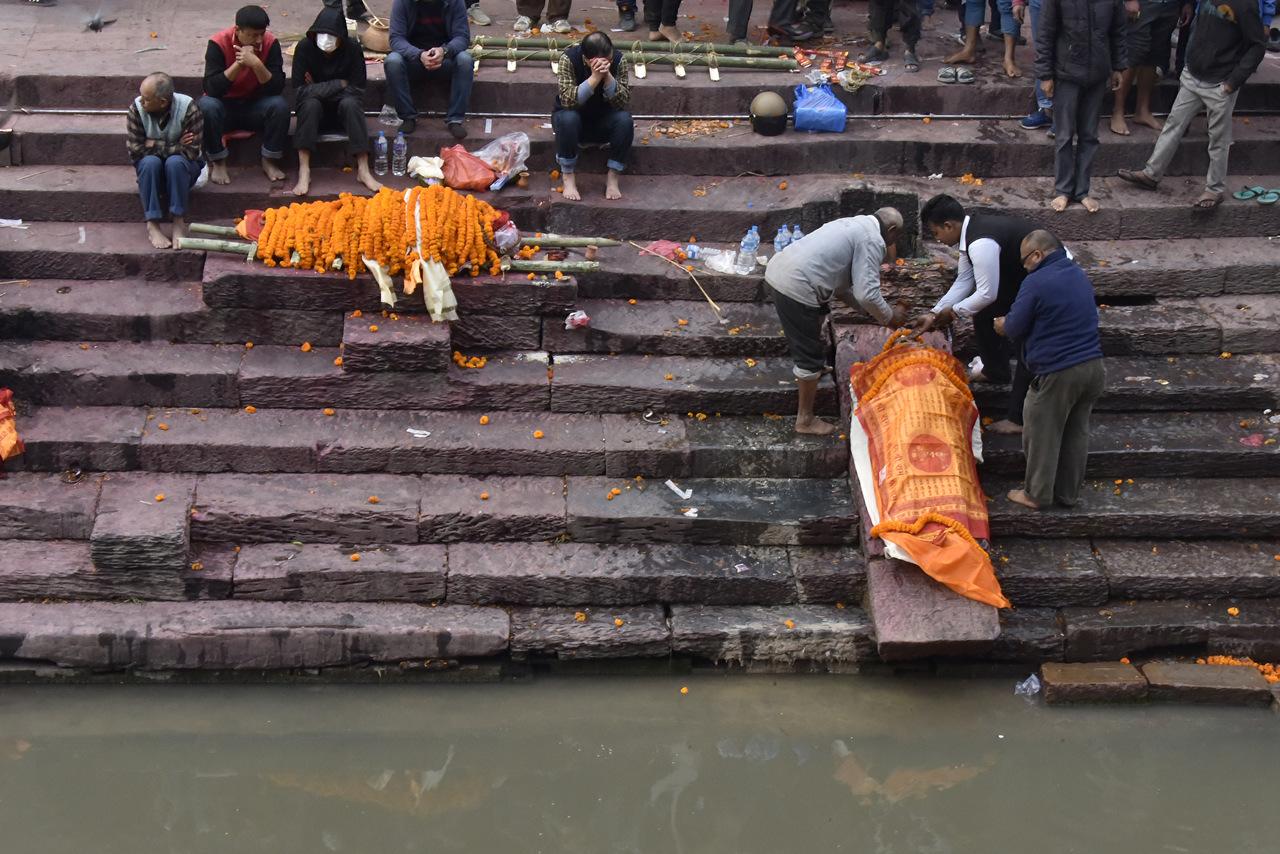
point(911, 62)
point(946, 74)
point(1270, 197)
point(1244, 194)
point(964, 75)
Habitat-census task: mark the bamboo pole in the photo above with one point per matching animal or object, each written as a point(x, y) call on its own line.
point(517, 266)
point(759, 63)
point(686, 48)
point(231, 247)
point(567, 242)
point(215, 230)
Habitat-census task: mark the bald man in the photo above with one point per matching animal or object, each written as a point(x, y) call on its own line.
point(842, 260)
point(1054, 320)
point(164, 136)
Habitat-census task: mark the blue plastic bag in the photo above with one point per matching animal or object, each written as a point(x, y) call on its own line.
point(818, 109)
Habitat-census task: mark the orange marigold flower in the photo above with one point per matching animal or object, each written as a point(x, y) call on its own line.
point(338, 362)
point(580, 616)
point(248, 345)
point(537, 434)
point(684, 689)
point(355, 558)
point(197, 566)
point(162, 426)
point(1124, 660)
point(782, 185)
point(790, 624)
point(251, 409)
point(926, 120)
point(618, 622)
point(532, 276)
point(373, 327)
point(306, 347)
point(484, 419)
point(1233, 611)
point(680, 321)
point(160, 497)
point(484, 496)
point(328, 410)
point(357, 313)
point(631, 301)
point(373, 499)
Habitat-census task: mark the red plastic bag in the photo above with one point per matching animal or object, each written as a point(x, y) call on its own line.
point(464, 171)
point(250, 228)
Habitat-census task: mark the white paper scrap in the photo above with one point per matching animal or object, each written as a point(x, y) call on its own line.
point(684, 494)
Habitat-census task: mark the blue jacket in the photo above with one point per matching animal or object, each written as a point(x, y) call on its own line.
point(1055, 317)
point(403, 17)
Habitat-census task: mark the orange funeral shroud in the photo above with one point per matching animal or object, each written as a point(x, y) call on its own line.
point(10, 444)
point(918, 415)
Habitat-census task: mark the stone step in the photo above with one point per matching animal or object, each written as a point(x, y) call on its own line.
point(1190, 569)
point(350, 441)
point(1181, 268)
point(395, 344)
point(1172, 444)
point(1175, 383)
point(47, 507)
point(62, 570)
point(878, 145)
point(1124, 628)
point(590, 633)
point(916, 617)
point(246, 635)
point(1148, 508)
point(754, 511)
point(1049, 573)
point(326, 573)
point(93, 251)
point(803, 636)
point(666, 328)
point(631, 383)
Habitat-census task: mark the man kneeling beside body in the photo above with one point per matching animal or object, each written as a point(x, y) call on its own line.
point(842, 259)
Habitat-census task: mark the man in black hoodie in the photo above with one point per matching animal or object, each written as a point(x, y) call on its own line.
point(1227, 45)
point(329, 79)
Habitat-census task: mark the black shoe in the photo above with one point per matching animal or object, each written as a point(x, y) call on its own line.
point(408, 126)
point(457, 130)
point(875, 56)
point(792, 33)
point(626, 22)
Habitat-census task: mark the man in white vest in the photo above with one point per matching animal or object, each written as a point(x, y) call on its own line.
point(164, 138)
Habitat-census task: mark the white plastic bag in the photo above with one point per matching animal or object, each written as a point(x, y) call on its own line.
point(507, 238)
point(506, 156)
point(203, 178)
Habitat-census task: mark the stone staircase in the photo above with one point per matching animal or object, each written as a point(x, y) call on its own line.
point(220, 475)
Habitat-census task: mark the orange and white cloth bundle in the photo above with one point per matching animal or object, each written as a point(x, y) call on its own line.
point(916, 444)
point(10, 445)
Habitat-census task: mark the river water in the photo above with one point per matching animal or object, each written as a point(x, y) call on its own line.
point(603, 765)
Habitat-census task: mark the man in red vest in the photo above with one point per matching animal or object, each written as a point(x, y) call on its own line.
point(243, 86)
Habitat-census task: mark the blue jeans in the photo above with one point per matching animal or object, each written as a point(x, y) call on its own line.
point(1043, 101)
point(1008, 24)
point(613, 127)
point(268, 116)
point(926, 7)
point(401, 72)
point(974, 12)
point(171, 178)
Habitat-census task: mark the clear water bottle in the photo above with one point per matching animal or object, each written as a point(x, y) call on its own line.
point(796, 234)
point(399, 156)
point(782, 240)
point(746, 261)
point(380, 154)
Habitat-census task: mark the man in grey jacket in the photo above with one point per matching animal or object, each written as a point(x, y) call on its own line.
point(842, 260)
point(1080, 53)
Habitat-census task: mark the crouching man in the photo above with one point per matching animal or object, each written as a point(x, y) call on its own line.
point(841, 259)
point(163, 134)
point(1055, 321)
point(591, 107)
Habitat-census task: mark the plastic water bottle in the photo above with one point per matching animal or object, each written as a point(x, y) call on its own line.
point(796, 234)
point(692, 251)
point(782, 240)
point(380, 154)
point(400, 156)
point(746, 261)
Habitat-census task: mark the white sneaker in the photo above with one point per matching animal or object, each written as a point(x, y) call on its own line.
point(562, 26)
point(478, 17)
point(522, 24)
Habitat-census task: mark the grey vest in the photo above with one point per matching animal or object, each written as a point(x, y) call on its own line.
point(177, 115)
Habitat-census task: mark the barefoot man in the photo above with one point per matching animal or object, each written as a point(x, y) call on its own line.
point(973, 12)
point(163, 135)
point(842, 259)
point(1055, 322)
point(592, 107)
point(243, 82)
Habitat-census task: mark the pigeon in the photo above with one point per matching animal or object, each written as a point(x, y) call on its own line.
point(98, 23)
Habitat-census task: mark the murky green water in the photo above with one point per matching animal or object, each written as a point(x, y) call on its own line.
point(739, 764)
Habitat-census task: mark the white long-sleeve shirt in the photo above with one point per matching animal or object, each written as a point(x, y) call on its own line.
point(840, 259)
point(977, 281)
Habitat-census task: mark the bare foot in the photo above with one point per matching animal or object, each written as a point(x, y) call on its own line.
point(365, 177)
point(1011, 69)
point(304, 184)
point(571, 187)
point(1059, 203)
point(671, 34)
point(179, 231)
point(814, 427)
point(156, 235)
point(1148, 120)
point(1005, 427)
point(218, 172)
point(655, 36)
point(1019, 496)
point(1090, 204)
point(271, 170)
point(1118, 125)
point(611, 189)
point(964, 57)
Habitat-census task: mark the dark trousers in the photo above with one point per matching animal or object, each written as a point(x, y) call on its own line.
point(268, 115)
point(882, 14)
point(1075, 120)
point(613, 128)
point(532, 9)
point(460, 71)
point(345, 114)
point(1055, 437)
point(626, 7)
point(171, 178)
point(661, 13)
point(995, 351)
point(781, 14)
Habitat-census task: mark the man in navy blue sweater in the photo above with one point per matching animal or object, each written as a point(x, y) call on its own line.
point(1055, 321)
point(429, 40)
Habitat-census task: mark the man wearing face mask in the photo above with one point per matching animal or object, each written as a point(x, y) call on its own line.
point(329, 79)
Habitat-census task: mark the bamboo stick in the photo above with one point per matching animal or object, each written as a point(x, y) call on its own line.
point(686, 48)
point(553, 241)
point(215, 230)
point(518, 266)
point(759, 63)
point(645, 251)
point(231, 247)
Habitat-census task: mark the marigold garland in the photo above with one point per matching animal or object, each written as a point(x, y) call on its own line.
point(457, 232)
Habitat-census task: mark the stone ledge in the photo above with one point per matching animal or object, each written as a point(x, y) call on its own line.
point(820, 634)
point(1184, 682)
point(633, 632)
point(1104, 682)
point(916, 617)
point(328, 573)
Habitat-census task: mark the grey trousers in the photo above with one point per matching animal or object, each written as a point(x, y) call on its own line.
point(1076, 110)
point(1055, 434)
point(1192, 96)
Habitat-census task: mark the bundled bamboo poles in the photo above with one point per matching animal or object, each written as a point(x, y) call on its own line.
point(671, 57)
point(685, 48)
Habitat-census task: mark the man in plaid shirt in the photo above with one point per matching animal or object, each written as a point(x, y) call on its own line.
point(591, 107)
point(164, 138)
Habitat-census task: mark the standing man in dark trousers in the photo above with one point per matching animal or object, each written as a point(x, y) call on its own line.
point(881, 15)
point(782, 20)
point(1055, 322)
point(987, 283)
point(1080, 53)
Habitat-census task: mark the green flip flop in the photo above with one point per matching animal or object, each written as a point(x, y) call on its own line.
point(1270, 197)
point(1247, 193)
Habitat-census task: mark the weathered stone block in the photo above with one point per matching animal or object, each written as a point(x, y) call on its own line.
point(1106, 682)
point(1184, 682)
point(1048, 573)
point(916, 617)
point(642, 633)
point(210, 574)
point(495, 332)
point(1029, 634)
point(1190, 569)
point(232, 440)
point(64, 570)
point(411, 343)
point(783, 634)
point(43, 507)
point(656, 328)
point(143, 522)
point(516, 508)
point(1169, 326)
point(90, 438)
point(1122, 628)
point(1250, 324)
point(326, 573)
point(829, 575)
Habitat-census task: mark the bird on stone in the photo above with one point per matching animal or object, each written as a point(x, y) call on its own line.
point(98, 23)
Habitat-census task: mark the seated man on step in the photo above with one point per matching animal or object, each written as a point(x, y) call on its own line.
point(1054, 321)
point(841, 259)
point(243, 86)
point(429, 40)
point(329, 79)
point(987, 282)
point(591, 107)
point(163, 134)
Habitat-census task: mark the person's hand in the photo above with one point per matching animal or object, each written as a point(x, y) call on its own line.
point(1115, 80)
point(1185, 17)
point(923, 322)
point(900, 313)
point(188, 138)
point(433, 59)
point(342, 84)
point(1046, 86)
point(247, 56)
point(998, 325)
point(1020, 13)
point(1132, 8)
point(1227, 88)
point(307, 78)
point(151, 143)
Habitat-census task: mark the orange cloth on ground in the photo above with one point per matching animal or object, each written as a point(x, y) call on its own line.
point(10, 444)
point(918, 415)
